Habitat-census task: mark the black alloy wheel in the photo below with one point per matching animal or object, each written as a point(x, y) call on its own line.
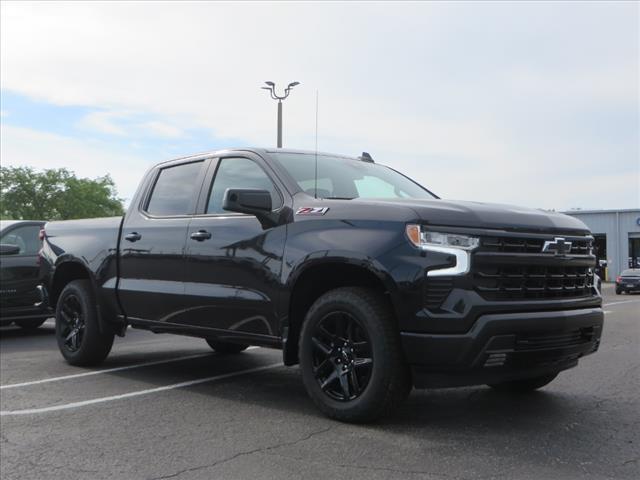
point(72, 322)
point(351, 357)
point(81, 339)
point(342, 357)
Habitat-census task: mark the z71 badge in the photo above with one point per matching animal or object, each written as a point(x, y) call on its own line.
point(312, 210)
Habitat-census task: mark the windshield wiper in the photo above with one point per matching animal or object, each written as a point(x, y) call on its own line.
point(339, 198)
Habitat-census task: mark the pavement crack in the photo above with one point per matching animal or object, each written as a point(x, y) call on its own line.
point(242, 454)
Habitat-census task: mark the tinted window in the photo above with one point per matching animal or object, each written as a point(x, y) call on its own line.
point(27, 238)
point(239, 173)
point(174, 190)
point(342, 177)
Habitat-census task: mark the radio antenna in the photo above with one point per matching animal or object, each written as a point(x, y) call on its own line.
point(315, 189)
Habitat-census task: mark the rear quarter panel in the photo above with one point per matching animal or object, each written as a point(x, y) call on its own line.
point(92, 244)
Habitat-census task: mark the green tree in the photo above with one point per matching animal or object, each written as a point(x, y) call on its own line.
point(55, 194)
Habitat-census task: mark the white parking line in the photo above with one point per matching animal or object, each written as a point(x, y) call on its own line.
point(108, 370)
point(67, 406)
point(618, 303)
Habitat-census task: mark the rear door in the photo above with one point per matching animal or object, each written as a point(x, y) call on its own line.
point(151, 283)
point(19, 272)
point(233, 263)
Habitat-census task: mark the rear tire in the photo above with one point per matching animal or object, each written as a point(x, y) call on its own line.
point(30, 324)
point(226, 347)
point(77, 327)
point(351, 357)
point(524, 385)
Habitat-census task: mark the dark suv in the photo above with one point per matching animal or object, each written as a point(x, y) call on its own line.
point(22, 299)
point(362, 276)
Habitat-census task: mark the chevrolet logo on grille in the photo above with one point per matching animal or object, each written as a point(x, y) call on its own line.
point(558, 245)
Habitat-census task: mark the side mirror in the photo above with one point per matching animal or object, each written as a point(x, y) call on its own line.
point(243, 200)
point(7, 249)
point(252, 202)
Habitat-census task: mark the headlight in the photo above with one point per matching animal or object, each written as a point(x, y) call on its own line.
point(421, 237)
point(454, 244)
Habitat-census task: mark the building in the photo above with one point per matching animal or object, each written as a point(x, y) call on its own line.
point(617, 237)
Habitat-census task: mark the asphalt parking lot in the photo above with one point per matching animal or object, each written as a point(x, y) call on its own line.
point(164, 406)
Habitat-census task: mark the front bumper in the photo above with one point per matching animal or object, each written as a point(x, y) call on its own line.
point(504, 346)
point(39, 309)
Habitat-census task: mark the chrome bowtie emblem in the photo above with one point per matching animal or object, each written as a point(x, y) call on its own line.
point(558, 245)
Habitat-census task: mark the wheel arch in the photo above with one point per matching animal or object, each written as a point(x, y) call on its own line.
point(311, 280)
point(67, 271)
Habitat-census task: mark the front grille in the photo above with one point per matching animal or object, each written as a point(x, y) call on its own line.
point(629, 279)
point(523, 282)
point(503, 244)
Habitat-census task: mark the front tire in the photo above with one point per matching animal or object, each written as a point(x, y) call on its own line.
point(350, 356)
point(525, 385)
point(30, 324)
point(618, 291)
point(226, 347)
point(77, 328)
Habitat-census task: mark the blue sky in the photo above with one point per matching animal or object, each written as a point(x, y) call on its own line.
point(534, 103)
point(133, 130)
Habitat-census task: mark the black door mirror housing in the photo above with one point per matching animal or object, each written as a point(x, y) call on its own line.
point(8, 249)
point(252, 202)
point(244, 200)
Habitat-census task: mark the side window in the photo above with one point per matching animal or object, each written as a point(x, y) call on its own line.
point(239, 173)
point(27, 238)
point(174, 190)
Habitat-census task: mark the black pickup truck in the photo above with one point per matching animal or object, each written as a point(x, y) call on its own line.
point(363, 277)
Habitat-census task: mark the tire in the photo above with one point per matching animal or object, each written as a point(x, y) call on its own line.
point(618, 291)
point(31, 323)
point(524, 385)
point(351, 332)
point(226, 347)
point(77, 312)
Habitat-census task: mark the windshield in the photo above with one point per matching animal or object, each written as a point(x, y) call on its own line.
point(340, 177)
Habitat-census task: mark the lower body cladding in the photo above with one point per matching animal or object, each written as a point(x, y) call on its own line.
point(503, 347)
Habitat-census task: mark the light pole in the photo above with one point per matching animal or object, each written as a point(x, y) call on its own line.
point(272, 90)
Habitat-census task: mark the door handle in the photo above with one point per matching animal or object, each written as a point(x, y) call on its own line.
point(200, 235)
point(133, 237)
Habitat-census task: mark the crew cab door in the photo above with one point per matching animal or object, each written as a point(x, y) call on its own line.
point(232, 263)
point(151, 283)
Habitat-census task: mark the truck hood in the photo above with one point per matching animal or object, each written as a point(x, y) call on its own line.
point(457, 213)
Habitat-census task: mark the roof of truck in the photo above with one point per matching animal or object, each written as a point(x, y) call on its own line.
point(261, 150)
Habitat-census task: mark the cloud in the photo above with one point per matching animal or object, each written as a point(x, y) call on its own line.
point(530, 104)
point(128, 124)
point(162, 129)
point(104, 122)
